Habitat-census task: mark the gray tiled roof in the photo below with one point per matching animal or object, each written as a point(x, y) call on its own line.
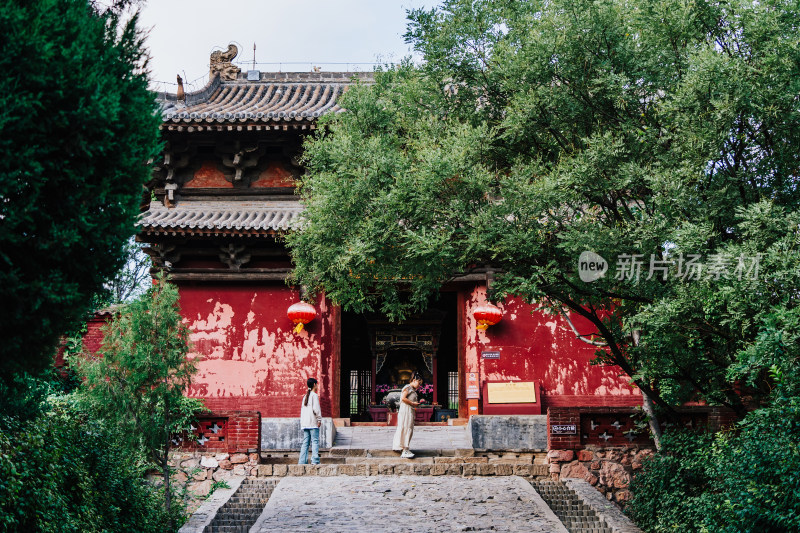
point(220, 217)
point(274, 97)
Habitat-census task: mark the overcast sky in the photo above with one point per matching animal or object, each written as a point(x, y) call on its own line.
point(183, 33)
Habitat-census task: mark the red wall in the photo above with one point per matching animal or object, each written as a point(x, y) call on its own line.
point(249, 358)
point(536, 346)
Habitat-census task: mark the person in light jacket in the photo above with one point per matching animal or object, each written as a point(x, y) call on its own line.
point(310, 421)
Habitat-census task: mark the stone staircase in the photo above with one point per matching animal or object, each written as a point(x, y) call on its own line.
point(371, 462)
point(241, 511)
point(573, 512)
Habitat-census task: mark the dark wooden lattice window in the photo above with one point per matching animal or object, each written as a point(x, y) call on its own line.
point(360, 391)
point(452, 390)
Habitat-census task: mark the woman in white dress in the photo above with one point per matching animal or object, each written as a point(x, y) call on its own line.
point(405, 416)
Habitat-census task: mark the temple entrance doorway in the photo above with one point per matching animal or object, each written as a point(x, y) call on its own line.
point(378, 357)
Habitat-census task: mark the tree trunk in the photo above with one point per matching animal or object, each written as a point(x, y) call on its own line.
point(647, 403)
point(655, 428)
point(167, 489)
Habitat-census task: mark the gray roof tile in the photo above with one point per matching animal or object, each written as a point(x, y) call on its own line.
point(220, 217)
point(274, 97)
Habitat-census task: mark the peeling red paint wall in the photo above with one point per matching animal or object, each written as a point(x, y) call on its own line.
point(248, 356)
point(536, 346)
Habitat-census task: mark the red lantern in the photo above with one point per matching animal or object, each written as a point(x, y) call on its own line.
point(301, 313)
point(487, 315)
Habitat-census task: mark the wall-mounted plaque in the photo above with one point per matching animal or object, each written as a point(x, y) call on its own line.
point(564, 429)
point(512, 392)
point(491, 355)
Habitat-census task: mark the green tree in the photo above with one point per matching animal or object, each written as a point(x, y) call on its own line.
point(138, 379)
point(77, 127)
point(533, 131)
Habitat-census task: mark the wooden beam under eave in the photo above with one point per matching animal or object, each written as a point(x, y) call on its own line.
point(229, 276)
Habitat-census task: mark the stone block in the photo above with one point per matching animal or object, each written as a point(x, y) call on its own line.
point(523, 470)
point(453, 470)
point(508, 432)
point(280, 470)
point(222, 456)
point(476, 459)
point(560, 456)
point(190, 464)
point(501, 469)
point(403, 469)
point(237, 458)
point(221, 475)
point(484, 469)
point(595, 465)
point(225, 464)
point(253, 458)
point(200, 488)
point(578, 470)
point(239, 470)
point(422, 469)
point(614, 455)
point(180, 476)
point(540, 470)
point(200, 475)
point(623, 496)
point(328, 470)
point(614, 475)
point(296, 470)
point(385, 470)
point(448, 460)
point(264, 470)
point(285, 433)
point(347, 470)
point(555, 468)
point(585, 455)
point(208, 462)
point(438, 469)
point(469, 469)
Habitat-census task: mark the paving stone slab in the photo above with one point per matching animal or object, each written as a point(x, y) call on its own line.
point(372, 504)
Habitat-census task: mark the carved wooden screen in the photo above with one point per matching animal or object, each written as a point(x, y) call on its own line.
point(360, 391)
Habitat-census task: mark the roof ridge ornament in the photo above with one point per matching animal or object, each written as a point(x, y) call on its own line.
point(221, 63)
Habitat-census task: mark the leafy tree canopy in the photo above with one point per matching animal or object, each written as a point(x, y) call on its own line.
point(138, 380)
point(77, 127)
point(534, 131)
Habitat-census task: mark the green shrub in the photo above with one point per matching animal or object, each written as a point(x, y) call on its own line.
point(675, 491)
point(739, 481)
point(61, 472)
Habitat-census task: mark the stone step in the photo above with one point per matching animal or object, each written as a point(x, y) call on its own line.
point(576, 516)
point(405, 467)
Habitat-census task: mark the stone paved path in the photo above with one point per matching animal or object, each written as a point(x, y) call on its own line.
point(380, 438)
point(404, 504)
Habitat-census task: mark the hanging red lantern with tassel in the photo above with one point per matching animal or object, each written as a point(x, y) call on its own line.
point(487, 315)
point(301, 313)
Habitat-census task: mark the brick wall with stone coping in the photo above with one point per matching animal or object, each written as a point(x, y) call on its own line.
point(194, 473)
point(608, 469)
point(607, 448)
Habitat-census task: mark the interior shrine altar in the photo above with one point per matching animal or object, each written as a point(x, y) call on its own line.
point(382, 413)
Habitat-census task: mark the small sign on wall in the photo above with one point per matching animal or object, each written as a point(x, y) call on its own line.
point(494, 354)
point(564, 429)
point(473, 388)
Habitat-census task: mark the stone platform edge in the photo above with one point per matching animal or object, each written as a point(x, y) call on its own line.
point(606, 510)
point(436, 469)
point(203, 516)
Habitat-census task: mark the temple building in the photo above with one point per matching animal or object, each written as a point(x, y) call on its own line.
point(223, 193)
